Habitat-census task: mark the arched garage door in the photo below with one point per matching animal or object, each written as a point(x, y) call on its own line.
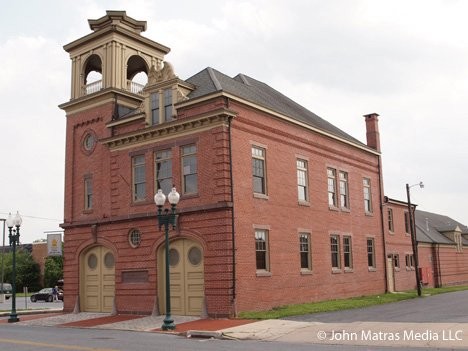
point(97, 285)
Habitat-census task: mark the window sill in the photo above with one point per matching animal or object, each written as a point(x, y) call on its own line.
point(372, 269)
point(260, 196)
point(345, 210)
point(303, 203)
point(333, 208)
point(88, 211)
point(189, 196)
point(349, 270)
point(141, 202)
point(391, 232)
point(397, 269)
point(370, 214)
point(306, 272)
point(336, 270)
point(263, 274)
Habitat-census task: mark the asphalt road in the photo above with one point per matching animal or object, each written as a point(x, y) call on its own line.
point(443, 308)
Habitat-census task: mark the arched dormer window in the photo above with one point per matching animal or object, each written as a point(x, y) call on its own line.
point(92, 75)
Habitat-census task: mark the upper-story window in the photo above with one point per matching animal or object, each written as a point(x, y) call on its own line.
point(163, 165)
point(331, 174)
point(302, 191)
point(344, 190)
point(155, 108)
point(161, 106)
point(367, 195)
point(407, 223)
point(370, 253)
point(189, 169)
point(390, 220)
point(259, 170)
point(139, 178)
point(88, 193)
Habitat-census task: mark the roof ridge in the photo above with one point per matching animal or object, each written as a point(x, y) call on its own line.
point(215, 80)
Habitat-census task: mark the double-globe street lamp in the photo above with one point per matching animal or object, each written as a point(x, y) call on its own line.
point(414, 243)
point(14, 239)
point(165, 219)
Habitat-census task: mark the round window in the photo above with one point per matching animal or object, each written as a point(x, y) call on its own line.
point(195, 256)
point(134, 237)
point(173, 257)
point(92, 261)
point(109, 260)
point(89, 142)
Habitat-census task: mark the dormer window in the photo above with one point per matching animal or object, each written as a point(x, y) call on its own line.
point(161, 106)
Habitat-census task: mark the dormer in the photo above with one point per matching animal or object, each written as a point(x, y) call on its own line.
point(111, 57)
point(454, 234)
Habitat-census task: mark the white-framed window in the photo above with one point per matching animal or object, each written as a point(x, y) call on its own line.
point(259, 170)
point(409, 259)
point(261, 250)
point(344, 190)
point(305, 251)
point(390, 220)
point(161, 106)
point(189, 169)
point(163, 171)
point(366, 182)
point(88, 193)
point(370, 252)
point(331, 175)
point(139, 177)
point(302, 180)
point(347, 252)
point(335, 251)
point(407, 223)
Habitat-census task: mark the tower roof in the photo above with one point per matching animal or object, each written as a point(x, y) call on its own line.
point(117, 18)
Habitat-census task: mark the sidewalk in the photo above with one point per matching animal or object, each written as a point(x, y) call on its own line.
point(434, 335)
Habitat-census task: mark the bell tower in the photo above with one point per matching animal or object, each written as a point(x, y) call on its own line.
point(116, 52)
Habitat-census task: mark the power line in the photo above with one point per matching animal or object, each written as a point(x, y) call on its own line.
point(35, 217)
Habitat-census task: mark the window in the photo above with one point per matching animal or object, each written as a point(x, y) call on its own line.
point(88, 192)
point(396, 260)
point(409, 261)
point(302, 180)
point(407, 223)
point(335, 251)
point(370, 253)
point(189, 169)
point(139, 178)
point(304, 249)
point(261, 249)
point(344, 191)
point(347, 252)
point(164, 171)
point(258, 170)
point(390, 219)
point(367, 195)
point(168, 105)
point(155, 108)
point(331, 187)
point(134, 238)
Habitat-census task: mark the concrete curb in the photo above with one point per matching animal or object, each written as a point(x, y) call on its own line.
point(32, 311)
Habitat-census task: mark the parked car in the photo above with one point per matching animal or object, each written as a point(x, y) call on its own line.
point(7, 290)
point(46, 295)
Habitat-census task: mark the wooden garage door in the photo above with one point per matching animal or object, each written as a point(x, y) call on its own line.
point(187, 278)
point(97, 288)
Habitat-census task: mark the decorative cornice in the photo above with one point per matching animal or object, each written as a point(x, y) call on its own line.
point(170, 129)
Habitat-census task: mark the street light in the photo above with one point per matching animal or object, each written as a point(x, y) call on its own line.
point(165, 219)
point(14, 239)
point(413, 236)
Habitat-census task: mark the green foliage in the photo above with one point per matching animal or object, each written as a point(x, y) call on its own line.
point(27, 270)
point(53, 270)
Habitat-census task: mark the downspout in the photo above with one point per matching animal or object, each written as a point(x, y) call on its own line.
point(382, 226)
point(232, 219)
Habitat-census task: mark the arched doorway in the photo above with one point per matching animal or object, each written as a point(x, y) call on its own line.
point(97, 283)
point(186, 267)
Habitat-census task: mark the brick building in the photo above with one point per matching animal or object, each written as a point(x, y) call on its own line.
point(277, 205)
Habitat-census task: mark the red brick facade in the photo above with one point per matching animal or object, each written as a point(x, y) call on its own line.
point(224, 214)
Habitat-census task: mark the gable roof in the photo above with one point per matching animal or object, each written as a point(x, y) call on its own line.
point(431, 226)
point(209, 81)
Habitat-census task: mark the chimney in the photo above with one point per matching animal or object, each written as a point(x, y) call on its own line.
point(372, 131)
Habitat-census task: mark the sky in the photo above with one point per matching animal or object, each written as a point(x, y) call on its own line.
point(341, 59)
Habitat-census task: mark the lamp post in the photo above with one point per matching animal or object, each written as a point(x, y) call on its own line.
point(14, 239)
point(413, 235)
point(3, 255)
point(165, 219)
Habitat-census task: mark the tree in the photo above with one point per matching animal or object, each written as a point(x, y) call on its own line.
point(27, 270)
point(53, 270)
